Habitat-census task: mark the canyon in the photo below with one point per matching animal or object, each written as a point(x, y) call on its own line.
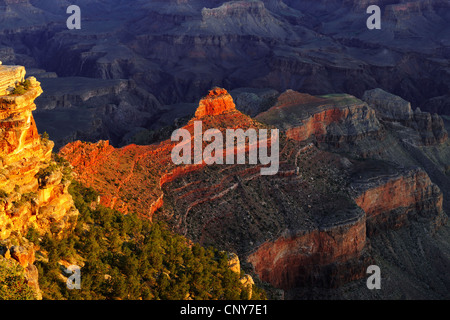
point(169, 53)
point(308, 226)
point(364, 171)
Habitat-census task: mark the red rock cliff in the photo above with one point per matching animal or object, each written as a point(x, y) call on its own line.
point(307, 257)
point(389, 201)
point(332, 119)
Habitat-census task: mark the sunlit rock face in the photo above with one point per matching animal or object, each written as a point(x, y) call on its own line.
point(10, 75)
point(310, 257)
point(218, 101)
point(32, 186)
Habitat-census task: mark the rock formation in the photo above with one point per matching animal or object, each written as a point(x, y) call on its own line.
point(324, 257)
point(149, 167)
point(32, 188)
point(335, 120)
point(88, 109)
point(24, 255)
point(391, 200)
point(259, 44)
point(235, 266)
point(34, 192)
point(392, 108)
point(11, 75)
point(218, 101)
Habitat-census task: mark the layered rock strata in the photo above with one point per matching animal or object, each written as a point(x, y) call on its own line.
point(392, 108)
point(11, 75)
point(391, 201)
point(24, 255)
point(218, 101)
point(326, 257)
point(33, 190)
point(120, 173)
point(332, 119)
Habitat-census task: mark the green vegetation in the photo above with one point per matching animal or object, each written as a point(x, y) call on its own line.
point(64, 166)
point(47, 171)
point(25, 198)
point(21, 88)
point(45, 139)
point(3, 194)
point(32, 235)
point(126, 257)
point(13, 285)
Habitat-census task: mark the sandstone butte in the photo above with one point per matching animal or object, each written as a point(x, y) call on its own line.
point(288, 248)
point(33, 193)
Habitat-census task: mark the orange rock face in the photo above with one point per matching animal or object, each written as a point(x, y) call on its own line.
point(317, 125)
point(27, 198)
point(85, 156)
point(19, 129)
point(331, 256)
point(218, 101)
point(128, 179)
point(23, 255)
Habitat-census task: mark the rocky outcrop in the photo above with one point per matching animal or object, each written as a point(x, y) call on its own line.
point(242, 17)
point(241, 44)
point(218, 101)
point(11, 75)
point(87, 155)
point(88, 109)
point(253, 101)
point(235, 265)
point(334, 120)
point(33, 192)
point(23, 255)
point(287, 227)
point(235, 8)
point(392, 108)
point(115, 172)
point(329, 256)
